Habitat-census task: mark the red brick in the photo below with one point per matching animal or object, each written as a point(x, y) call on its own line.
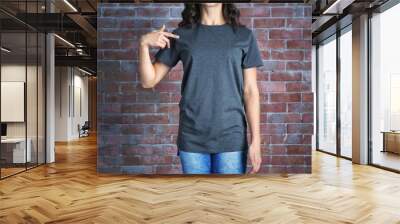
point(296, 160)
point(298, 87)
point(265, 139)
point(286, 76)
point(287, 55)
point(299, 44)
point(273, 128)
point(122, 77)
point(132, 129)
point(128, 150)
point(307, 11)
point(109, 44)
point(284, 118)
point(104, 35)
point(300, 128)
point(297, 139)
point(265, 54)
point(264, 97)
point(300, 107)
point(168, 169)
point(282, 12)
point(152, 119)
point(273, 107)
point(307, 117)
point(307, 97)
point(286, 34)
point(111, 119)
point(175, 97)
point(152, 12)
point(165, 108)
point(268, 23)
point(277, 149)
point(155, 139)
point(118, 12)
point(272, 87)
point(285, 97)
point(111, 108)
point(272, 44)
point(307, 55)
point(106, 23)
point(176, 12)
point(174, 75)
point(278, 160)
point(299, 23)
point(307, 139)
point(132, 23)
point(298, 65)
point(169, 129)
point(132, 34)
point(148, 97)
point(129, 88)
point(307, 34)
point(120, 55)
point(262, 75)
point(298, 150)
point(111, 87)
point(138, 108)
point(274, 65)
point(120, 99)
point(255, 12)
point(168, 87)
point(169, 23)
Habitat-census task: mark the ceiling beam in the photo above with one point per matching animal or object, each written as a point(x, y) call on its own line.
point(78, 61)
point(86, 26)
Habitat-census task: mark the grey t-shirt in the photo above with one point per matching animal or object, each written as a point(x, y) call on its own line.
point(212, 116)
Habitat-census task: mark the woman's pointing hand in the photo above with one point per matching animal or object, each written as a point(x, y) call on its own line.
point(158, 38)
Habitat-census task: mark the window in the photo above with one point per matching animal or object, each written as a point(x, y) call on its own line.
point(385, 89)
point(327, 96)
point(22, 77)
point(346, 92)
point(334, 137)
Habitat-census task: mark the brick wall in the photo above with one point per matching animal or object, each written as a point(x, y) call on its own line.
point(138, 127)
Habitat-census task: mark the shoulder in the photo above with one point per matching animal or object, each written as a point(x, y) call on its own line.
point(244, 29)
point(244, 32)
point(181, 30)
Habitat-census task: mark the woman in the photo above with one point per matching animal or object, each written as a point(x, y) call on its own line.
point(219, 87)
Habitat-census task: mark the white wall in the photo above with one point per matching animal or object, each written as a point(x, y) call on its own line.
point(16, 72)
point(70, 84)
point(33, 126)
point(62, 81)
point(12, 73)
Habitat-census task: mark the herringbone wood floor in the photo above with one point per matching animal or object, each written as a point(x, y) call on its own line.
point(70, 191)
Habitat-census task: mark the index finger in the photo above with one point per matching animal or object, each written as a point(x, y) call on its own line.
point(170, 35)
point(162, 28)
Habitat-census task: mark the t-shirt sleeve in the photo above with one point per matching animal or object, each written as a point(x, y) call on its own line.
point(168, 56)
point(252, 55)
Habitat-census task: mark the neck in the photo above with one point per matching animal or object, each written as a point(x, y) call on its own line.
point(212, 15)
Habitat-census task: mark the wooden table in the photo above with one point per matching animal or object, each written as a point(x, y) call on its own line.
point(391, 141)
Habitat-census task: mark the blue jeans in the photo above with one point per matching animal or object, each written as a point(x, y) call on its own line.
point(207, 163)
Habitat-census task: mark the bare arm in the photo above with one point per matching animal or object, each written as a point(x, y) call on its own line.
point(252, 107)
point(151, 74)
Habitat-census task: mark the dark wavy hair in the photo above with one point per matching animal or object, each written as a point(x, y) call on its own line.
point(191, 14)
